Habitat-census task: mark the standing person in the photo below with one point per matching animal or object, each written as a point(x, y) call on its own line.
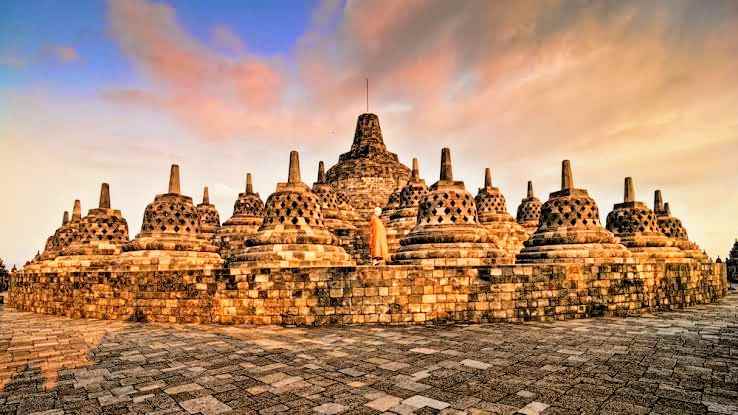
point(378, 238)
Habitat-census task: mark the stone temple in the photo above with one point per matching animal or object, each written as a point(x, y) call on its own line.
point(301, 258)
point(368, 172)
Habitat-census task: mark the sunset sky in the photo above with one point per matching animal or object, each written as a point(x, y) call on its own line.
point(116, 91)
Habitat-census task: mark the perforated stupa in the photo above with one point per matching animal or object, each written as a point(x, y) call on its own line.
point(293, 232)
point(637, 227)
point(208, 215)
point(569, 229)
point(529, 211)
point(673, 228)
point(404, 217)
point(102, 232)
point(171, 230)
point(447, 229)
point(338, 214)
point(492, 212)
point(248, 213)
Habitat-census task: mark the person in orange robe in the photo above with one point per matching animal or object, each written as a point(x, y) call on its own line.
point(378, 238)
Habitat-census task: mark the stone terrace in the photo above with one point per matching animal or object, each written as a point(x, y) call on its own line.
point(673, 362)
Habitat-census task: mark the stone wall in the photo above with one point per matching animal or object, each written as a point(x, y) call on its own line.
point(352, 295)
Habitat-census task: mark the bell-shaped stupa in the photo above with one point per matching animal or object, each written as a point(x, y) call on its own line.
point(52, 249)
point(637, 228)
point(208, 214)
point(338, 214)
point(368, 173)
point(171, 231)
point(393, 202)
point(570, 229)
point(529, 211)
point(493, 215)
point(65, 235)
point(447, 230)
point(673, 228)
point(248, 213)
point(293, 233)
point(102, 232)
point(404, 217)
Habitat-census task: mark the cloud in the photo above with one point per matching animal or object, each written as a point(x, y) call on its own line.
point(64, 54)
point(224, 37)
point(216, 95)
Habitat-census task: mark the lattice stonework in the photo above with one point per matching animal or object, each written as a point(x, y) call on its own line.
point(103, 228)
point(448, 207)
point(293, 208)
point(328, 198)
point(529, 211)
point(579, 211)
point(248, 205)
point(208, 215)
point(672, 227)
point(171, 215)
point(637, 219)
point(491, 203)
point(412, 194)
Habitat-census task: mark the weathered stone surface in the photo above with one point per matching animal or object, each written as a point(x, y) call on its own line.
point(674, 229)
point(339, 216)
point(447, 226)
point(208, 216)
point(569, 229)
point(492, 211)
point(403, 217)
point(637, 228)
point(248, 213)
point(170, 236)
point(293, 233)
point(368, 173)
point(529, 211)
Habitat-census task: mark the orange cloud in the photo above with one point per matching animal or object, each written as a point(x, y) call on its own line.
point(218, 96)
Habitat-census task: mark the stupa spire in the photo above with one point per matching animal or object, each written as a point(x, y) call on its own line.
point(658, 201)
point(205, 196)
point(294, 171)
point(65, 218)
point(667, 209)
point(249, 184)
point(321, 172)
point(567, 178)
point(487, 177)
point(529, 194)
point(174, 179)
point(416, 170)
point(629, 192)
point(368, 135)
point(76, 211)
point(104, 196)
point(446, 170)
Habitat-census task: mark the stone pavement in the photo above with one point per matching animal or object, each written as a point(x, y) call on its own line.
point(670, 363)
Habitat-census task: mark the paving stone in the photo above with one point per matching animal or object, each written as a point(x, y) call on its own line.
point(667, 363)
point(207, 405)
point(329, 409)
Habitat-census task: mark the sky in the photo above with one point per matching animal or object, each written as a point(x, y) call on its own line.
point(116, 91)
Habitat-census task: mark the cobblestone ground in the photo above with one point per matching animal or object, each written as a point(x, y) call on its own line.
point(677, 362)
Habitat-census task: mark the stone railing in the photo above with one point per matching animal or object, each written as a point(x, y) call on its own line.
point(365, 294)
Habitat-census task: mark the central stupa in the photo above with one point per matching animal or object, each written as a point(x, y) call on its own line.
point(368, 173)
